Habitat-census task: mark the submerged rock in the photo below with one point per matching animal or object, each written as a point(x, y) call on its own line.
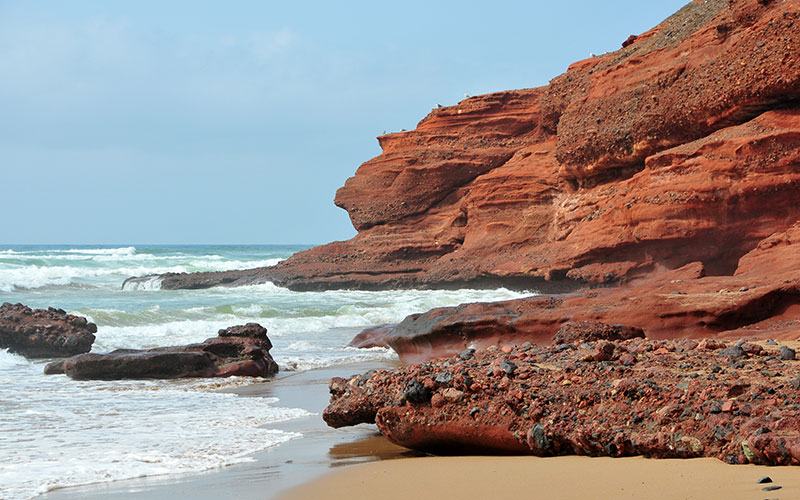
point(239, 350)
point(44, 333)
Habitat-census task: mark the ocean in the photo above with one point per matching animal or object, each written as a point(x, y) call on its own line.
point(57, 432)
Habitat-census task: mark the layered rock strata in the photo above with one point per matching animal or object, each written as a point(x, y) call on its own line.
point(241, 350)
point(666, 399)
point(44, 333)
point(680, 147)
point(760, 300)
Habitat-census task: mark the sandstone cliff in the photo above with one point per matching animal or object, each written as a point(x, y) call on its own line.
point(683, 146)
point(680, 147)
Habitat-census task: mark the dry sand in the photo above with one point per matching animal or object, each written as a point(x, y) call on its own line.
point(562, 478)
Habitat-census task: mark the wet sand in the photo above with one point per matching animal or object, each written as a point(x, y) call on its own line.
point(274, 470)
point(562, 478)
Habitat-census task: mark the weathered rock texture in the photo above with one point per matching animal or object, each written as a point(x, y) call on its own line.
point(681, 398)
point(239, 350)
point(681, 147)
point(44, 333)
point(760, 300)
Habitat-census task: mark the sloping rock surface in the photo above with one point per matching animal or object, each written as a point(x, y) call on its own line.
point(44, 333)
point(664, 399)
point(241, 350)
point(760, 300)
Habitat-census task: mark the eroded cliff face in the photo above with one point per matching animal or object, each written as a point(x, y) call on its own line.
point(684, 146)
point(671, 167)
point(681, 147)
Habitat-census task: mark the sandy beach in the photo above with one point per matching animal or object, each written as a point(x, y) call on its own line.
point(564, 478)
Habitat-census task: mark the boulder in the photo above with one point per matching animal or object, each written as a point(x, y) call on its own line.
point(44, 333)
point(674, 401)
point(241, 350)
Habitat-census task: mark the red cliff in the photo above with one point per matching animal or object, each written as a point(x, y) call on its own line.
point(668, 171)
point(680, 147)
point(670, 167)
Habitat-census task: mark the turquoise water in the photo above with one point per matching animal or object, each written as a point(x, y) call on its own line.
point(59, 432)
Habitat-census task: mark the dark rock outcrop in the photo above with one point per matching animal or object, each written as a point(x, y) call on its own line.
point(44, 333)
point(662, 399)
point(239, 350)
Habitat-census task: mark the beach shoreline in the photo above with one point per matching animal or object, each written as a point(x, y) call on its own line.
point(564, 478)
point(273, 470)
point(357, 462)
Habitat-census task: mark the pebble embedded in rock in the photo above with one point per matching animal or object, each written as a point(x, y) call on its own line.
point(417, 392)
point(452, 395)
point(739, 417)
point(508, 367)
point(444, 378)
point(733, 352)
point(466, 354)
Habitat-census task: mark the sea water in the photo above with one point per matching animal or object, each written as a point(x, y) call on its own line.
point(56, 432)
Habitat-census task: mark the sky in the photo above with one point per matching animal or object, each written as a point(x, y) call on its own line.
point(235, 122)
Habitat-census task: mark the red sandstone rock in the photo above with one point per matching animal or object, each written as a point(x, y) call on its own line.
point(678, 303)
point(680, 403)
point(44, 333)
point(713, 64)
point(592, 330)
point(680, 147)
point(669, 151)
point(371, 337)
point(241, 350)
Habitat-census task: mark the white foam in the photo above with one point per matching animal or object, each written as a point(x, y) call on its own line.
point(100, 251)
point(110, 269)
point(34, 276)
point(86, 251)
point(148, 284)
point(233, 265)
point(156, 427)
point(332, 357)
point(10, 361)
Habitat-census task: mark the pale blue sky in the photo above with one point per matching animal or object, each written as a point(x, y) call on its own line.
point(235, 122)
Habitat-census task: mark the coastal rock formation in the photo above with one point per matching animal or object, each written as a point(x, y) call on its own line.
point(680, 147)
point(44, 333)
point(665, 399)
point(241, 350)
point(760, 300)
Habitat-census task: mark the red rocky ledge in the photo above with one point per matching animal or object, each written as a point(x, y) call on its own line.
point(44, 333)
point(738, 402)
point(239, 350)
